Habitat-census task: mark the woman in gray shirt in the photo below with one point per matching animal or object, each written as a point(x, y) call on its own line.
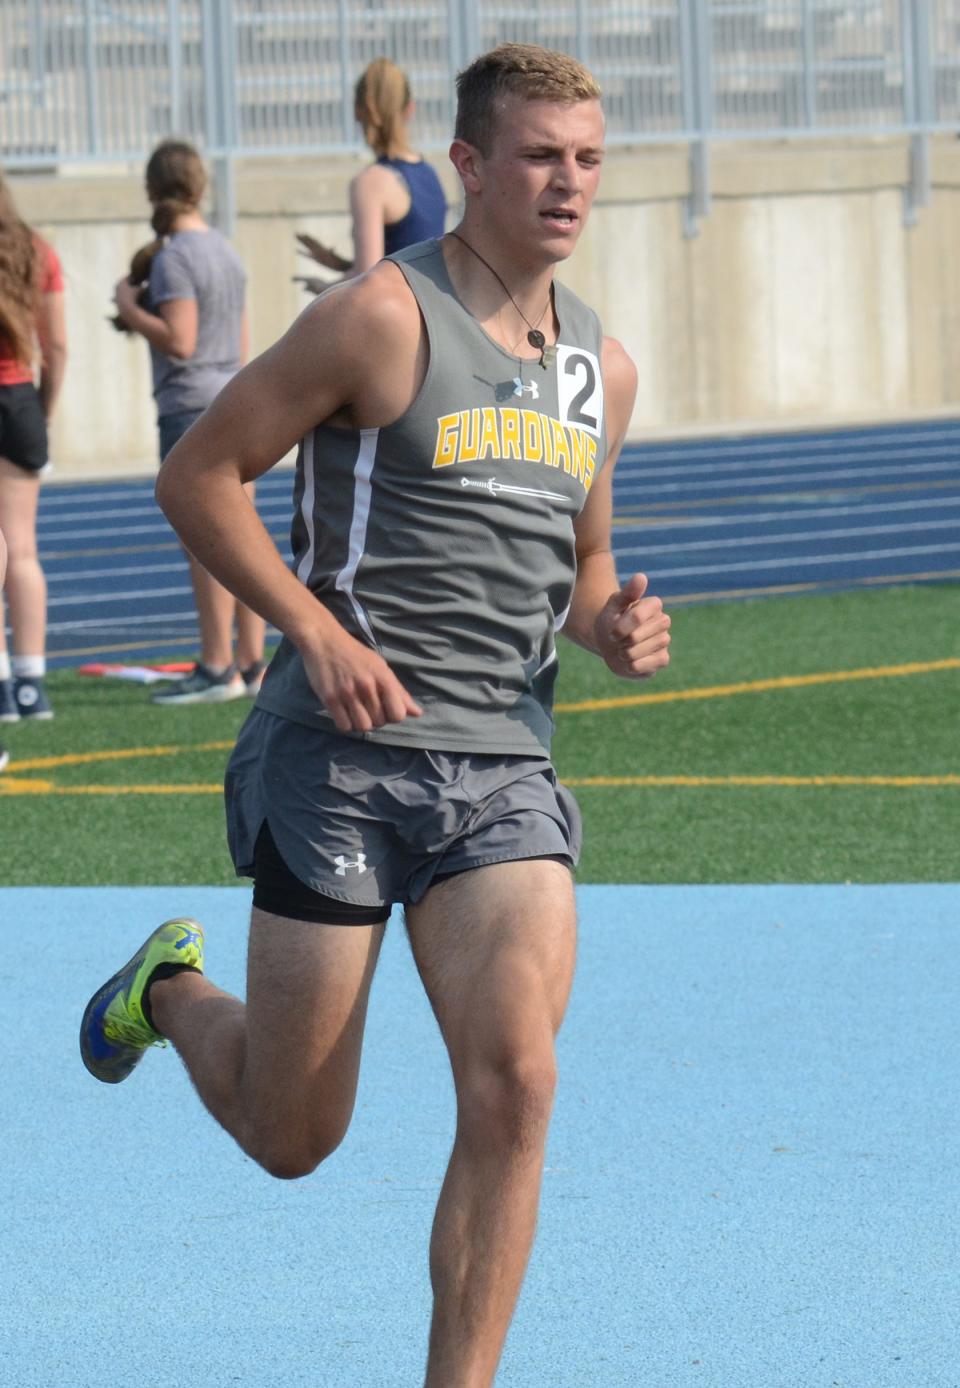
point(195, 321)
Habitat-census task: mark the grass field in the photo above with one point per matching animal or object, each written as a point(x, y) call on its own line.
point(805, 739)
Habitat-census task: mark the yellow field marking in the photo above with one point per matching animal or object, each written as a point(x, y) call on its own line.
point(719, 691)
point(12, 786)
point(116, 754)
point(791, 589)
point(15, 784)
point(907, 782)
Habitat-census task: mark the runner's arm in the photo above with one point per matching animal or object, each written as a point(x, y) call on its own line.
point(627, 629)
point(328, 360)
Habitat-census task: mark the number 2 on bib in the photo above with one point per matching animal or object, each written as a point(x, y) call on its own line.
point(579, 389)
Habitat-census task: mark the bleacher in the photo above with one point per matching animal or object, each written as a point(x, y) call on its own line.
point(108, 80)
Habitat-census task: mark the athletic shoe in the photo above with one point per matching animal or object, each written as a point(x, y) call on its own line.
point(31, 697)
point(4, 757)
point(114, 1032)
point(9, 713)
point(253, 678)
point(204, 687)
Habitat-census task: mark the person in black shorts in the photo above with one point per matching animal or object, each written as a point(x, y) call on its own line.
point(32, 359)
point(460, 414)
point(4, 754)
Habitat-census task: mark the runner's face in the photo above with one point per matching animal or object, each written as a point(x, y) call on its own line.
point(542, 172)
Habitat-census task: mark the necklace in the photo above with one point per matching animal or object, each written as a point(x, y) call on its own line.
point(534, 336)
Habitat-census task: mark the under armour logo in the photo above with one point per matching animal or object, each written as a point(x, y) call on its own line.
point(359, 862)
point(531, 388)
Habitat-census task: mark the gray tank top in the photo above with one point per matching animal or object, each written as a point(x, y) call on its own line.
point(445, 540)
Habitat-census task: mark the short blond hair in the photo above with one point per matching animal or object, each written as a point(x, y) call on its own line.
point(516, 69)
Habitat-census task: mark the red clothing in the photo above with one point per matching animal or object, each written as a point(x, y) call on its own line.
point(13, 372)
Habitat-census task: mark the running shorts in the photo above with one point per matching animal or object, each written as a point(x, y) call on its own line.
point(23, 428)
point(371, 824)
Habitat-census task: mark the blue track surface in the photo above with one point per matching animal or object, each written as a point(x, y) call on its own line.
point(752, 1176)
point(706, 519)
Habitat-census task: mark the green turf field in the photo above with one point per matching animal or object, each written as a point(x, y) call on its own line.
point(850, 774)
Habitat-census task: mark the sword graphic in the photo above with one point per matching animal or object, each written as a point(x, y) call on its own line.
point(493, 486)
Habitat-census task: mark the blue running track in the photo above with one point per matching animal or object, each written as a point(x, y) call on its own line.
point(751, 1179)
point(707, 519)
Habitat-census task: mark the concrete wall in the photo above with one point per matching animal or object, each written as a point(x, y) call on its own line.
point(803, 299)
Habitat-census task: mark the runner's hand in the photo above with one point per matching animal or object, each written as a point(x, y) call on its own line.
point(357, 686)
point(633, 631)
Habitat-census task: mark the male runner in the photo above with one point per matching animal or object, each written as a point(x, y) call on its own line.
point(459, 415)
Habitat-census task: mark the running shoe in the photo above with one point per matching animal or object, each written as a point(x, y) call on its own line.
point(204, 687)
point(9, 713)
point(114, 1032)
point(253, 678)
point(31, 697)
point(4, 757)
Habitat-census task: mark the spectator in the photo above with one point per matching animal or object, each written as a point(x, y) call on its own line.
point(396, 201)
point(33, 353)
point(195, 321)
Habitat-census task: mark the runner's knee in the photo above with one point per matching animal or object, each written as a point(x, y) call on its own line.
point(506, 1104)
point(295, 1151)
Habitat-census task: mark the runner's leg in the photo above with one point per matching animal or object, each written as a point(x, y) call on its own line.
point(26, 585)
point(279, 1072)
point(495, 949)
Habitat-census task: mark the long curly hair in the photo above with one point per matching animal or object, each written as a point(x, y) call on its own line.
point(19, 281)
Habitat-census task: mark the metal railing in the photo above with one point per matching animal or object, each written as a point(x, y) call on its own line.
point(104, 80)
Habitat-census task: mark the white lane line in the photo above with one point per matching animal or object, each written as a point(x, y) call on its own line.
point(914, 462)
point(117, 531)
point(790, 538)
point(174, 619)
point(55, 495)
point(659, 523)
point(794, 443)
point(127, 596)
point(82, 575)
point(698, 487)
point(129, 511)
point(803, 561)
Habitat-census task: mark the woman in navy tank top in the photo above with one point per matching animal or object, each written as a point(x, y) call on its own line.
point(396, 201)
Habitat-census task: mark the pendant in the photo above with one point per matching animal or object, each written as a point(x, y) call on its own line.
point(536, 339)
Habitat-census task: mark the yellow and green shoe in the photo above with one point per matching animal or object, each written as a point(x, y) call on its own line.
point(115, 1032)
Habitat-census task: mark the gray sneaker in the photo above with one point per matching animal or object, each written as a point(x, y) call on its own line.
point(253, 678)
point(9, 713)
point(204, 687)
